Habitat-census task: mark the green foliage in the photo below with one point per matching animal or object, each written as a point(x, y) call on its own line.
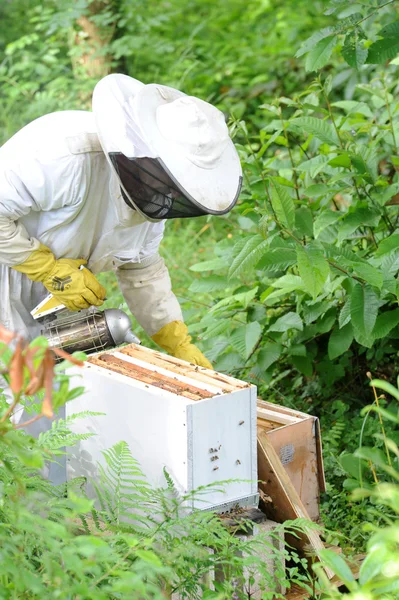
point(356, 35)
point(374, 479)
point(297, 289)
point(135, 540)
point(332, 251)
point(55, 51)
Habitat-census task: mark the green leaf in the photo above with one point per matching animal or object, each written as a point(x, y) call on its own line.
point(364, 309)
point(324, 220)
point(283, 205)
point(385, 323)
point(228, 362)
point(313, 166)
point(249, 255)
point(244, 339)
point(382, 196)
point(352, 465)
point(217, 264)
point(353, 107)
point(362, 216)
point(278, 259)
point(318, 57)
point(375, 455)
point(385, 414)
point(288, 281)
point(336, 563)
point(370, 274)
point(304, 365)
point(340, 341)
point(313, 40)
point(23, 450)
point(286, 284)
point(217, 328)
point(297, 350)
point(212, 283)
point(290, 320)
point(342, 160)
point(304, 221)
point(325, 324)
point(386, 387)
point(268, 355)
point(313, 311)
point(149, 557)
point(372, 566)
point(351, 485)
point(321, 129)
point(317, 189)
point(386, 48)
point(388, 244)
point(243, 298)
point(361, 167)
point(75, 392)
point(353, 50)
point(376, 92)
point(345, 314)
point(313, 269)
point(390, 267)
point(269, 142)
point(342, 256)
point(363, 340)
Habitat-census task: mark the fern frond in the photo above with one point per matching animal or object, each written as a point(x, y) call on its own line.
point(169, 481)
point(124, 489)
point(60, 434)
point(83, 415)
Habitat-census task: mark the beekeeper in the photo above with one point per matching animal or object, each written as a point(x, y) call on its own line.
point(94, 188)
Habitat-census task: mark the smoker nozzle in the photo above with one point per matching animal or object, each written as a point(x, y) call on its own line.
point(130, 338)
point(119, 327)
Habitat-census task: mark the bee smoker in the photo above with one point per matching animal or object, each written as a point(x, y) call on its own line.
point(89, 330)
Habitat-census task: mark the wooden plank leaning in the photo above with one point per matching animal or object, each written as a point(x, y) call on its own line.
point(275, 483)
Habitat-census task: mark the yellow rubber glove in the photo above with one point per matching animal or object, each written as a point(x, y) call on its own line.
point(75, 288)
point(174, 339)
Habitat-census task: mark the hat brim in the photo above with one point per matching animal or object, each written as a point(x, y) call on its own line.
point(214, 189)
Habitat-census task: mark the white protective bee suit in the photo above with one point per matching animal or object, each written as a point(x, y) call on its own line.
point(57, 186)
point(96, 186)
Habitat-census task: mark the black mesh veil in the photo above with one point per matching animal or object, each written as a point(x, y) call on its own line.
point(147, 186)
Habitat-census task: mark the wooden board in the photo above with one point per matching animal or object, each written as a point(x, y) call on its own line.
point(286, 503)
point(296, 438)
point(181, 367)
point(154, 378)
point(296, 447)
point(320, 466)
point(282, 410)
point(275, 416)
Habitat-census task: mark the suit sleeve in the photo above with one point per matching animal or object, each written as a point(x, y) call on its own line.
point(33, 185)
point(147, 290)
point(15, 243)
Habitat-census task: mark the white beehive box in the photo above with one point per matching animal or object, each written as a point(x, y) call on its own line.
point(198, 424)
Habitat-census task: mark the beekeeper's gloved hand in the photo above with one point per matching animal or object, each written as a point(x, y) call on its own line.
point(174, 338)
point(75, 288)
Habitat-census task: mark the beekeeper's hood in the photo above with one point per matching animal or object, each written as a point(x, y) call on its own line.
point(171, 152)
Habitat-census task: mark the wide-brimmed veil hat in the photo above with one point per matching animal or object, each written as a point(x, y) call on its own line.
point(171, 152)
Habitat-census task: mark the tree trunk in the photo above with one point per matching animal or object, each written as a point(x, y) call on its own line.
point(90, 58)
